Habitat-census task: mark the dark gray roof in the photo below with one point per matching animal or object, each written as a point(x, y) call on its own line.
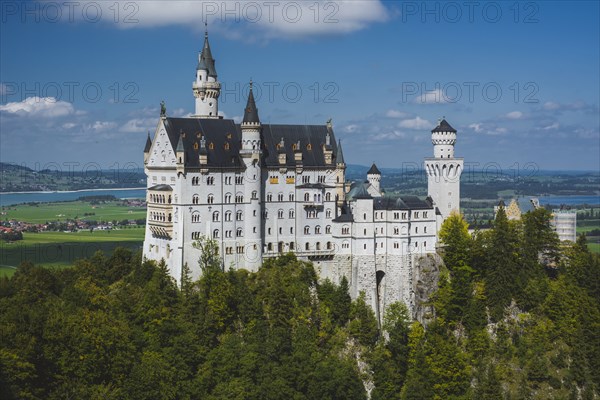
point(205, 60)
point(501, 203)
point(251, 112)
point(339, 155)
point(161, 188)
point(358, 190)
point(443, 126)
point(401, 203)
point(310, 137)
point(373, 170)
point(148, 144)
point(223, 142)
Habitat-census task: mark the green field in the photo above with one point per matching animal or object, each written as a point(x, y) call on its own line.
point(44, 212)
point(62, 249)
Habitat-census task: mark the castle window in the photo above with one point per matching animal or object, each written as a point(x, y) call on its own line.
point(228, 216)
point(328, 196)
point(239, 232)
point(292, 230)
point(424, 214)
point(215, 216)
point(239, 180)
point(291, 214)
point(269, 197)
point(416, 229)
point(365, 232)
point(280, 214)
point(228, 198)
point(306, 197)
point(328, 229)
point(416, 214)
point(195, 199)
point(226, 145)
point(196, 217)
point(291, 197)
point(317, 230)
point(280, 197)
point(209, 200)
point(307, 246)
point(328, 213)
point(254, 230)
point(309, 146)
point(228, 234)
point(210, 180)
point(306, 230)
point(239, 199)
point(269, 246)
point(291, 245)
point(268, 231)
point(216, 234)
point(195, 145)
point(365, 216)
point(239, 216)
point(396, 245)
point(318, 245)
point(396, 231)
point(329, 246)
point(255, 195)
point(425, 230)
point(211, 145)
point(365, 246)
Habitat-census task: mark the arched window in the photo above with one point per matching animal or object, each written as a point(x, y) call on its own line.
point(196, 199)
point(255, 195)
point(215, 216)
point(228, 216)
point(306, 230)
point(306, 197)
point(239, 232)
point(228, 198)
point(328, 229)
point(328, 245)
point(269, 197)
point(210, 199)
point(307, 246)
point(216, 234)
point(291, 197)
point(280, 197)
point(317, 230)
point(328, 196)
point(291, 214)
point(239, 215)
point(280, 214)
point(196, 217)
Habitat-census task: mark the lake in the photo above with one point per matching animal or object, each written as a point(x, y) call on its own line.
point(140, 193)
point(49, 197)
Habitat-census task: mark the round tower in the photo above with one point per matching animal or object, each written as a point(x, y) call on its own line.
point(444, 171)
point(206, 87)
point(251, 154)
point(374, 177)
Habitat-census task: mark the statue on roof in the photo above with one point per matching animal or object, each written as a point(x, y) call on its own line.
point(163, 109)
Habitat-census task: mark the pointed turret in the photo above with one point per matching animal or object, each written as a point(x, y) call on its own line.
point(339, 155)
point(180, 154)
point(251, 112)
point(374, 177)
point(374, 170)
point(206, 87)
point(206, 61)
point(147, 148)
point(148, 144)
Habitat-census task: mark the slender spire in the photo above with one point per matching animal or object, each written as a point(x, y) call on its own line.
point(180, 143)
point(339, 155)
point(205, 59)
point(148, 144)
point(374, 170)
point(251, 112)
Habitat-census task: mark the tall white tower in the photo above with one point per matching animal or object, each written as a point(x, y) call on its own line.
point(251, 154)
point(374, 177)
point(206, 88)
point(443, 171)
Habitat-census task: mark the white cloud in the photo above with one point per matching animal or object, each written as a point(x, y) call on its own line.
point(476, 127)
point(514, 115)
point(432, 97)
point(350, 128)
point(137, 125)
point(69, 125)
point(101, 126)
point(269, 20)
point(551, 126)
point(396, 114)
point(47, 107)
point(391, 135)
point(550, 105)
point(487, 129)
point(415, 123)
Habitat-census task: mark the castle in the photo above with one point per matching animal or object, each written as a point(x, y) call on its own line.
point(261, 190)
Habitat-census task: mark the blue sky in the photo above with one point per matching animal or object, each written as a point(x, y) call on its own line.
point(80, 84)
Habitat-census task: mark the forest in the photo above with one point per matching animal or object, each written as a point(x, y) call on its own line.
point(516, 316)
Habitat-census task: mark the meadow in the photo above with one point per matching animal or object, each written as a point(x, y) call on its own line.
point(45, 212)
